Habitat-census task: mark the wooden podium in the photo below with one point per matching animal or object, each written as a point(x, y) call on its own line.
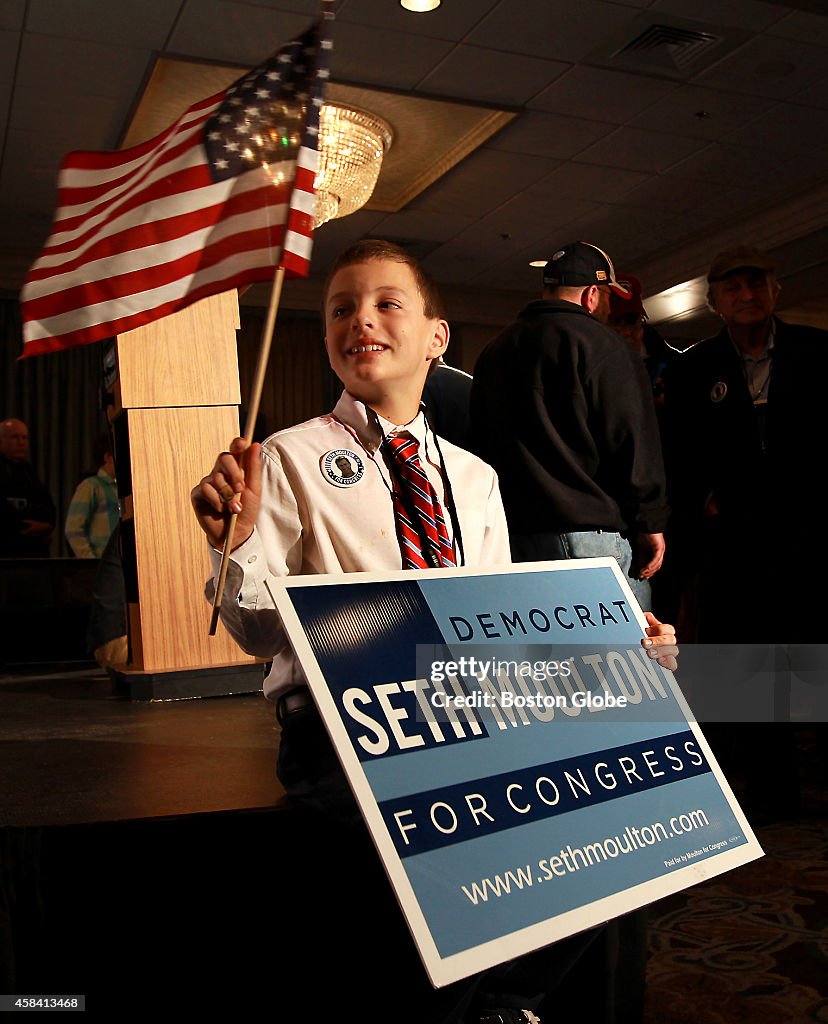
point(176, 398)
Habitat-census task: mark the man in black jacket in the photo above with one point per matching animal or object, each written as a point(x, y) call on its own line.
point(563, 411)
point(745, 424)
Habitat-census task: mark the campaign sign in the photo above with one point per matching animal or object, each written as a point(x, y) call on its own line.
point(525, 769)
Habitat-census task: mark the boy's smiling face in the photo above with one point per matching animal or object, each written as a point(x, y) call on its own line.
point(380, 342)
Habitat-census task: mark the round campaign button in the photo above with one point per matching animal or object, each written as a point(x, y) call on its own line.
point(342, 468)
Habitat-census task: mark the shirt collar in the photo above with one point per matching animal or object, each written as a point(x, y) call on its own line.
point(363, 422)
point(766, 351)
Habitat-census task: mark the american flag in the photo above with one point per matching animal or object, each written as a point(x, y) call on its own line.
point(216, 201)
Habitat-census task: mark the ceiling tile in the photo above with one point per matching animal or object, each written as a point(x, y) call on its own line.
point(670, 192)
point(97, 122)
point(814, 95)
point(768, 66)
point(679, 112)
point(524, 220)
point(12, 14)
point(238, 34)
point(146, 24)
point(28, 183)
point(660, 224)
point(515, 277)
point(800, 25)
point(689, 206)
point(481, 183)
point(549, 135)
point(86, 68)
point(5, 97)
point(310, 8)
point(605, 228)
point(454, 262)
point(9, 45)
point(424, 225)
point(639, 150)
point(557, 29)
point(588, 181)
point(610, 95)
point(491, 76)
point(360, 54)
point(787, 127)
point(724, 164)
point(449, 21)
point(745, 14)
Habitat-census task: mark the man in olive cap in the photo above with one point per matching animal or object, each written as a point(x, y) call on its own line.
point(746, 430)
point(745, 422)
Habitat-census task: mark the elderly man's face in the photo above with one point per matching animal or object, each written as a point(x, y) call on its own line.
point(745, 298)
point(14, 440)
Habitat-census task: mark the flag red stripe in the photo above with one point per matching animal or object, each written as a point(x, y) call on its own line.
point(121, 325)
point(170, 183)
point(137, 281)
point(144, 235)
point(240, 266)
point(111, 190)
point(305, 178)
point(97, 235)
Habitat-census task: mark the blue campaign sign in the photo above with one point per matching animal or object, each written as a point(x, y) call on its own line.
point(525, 769)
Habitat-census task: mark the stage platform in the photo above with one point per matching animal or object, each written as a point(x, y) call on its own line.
point(71, 752)
point(140, 845)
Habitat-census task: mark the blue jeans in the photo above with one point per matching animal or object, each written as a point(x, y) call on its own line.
point(538, 547)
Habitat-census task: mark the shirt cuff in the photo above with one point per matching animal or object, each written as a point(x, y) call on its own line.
point(246, 573)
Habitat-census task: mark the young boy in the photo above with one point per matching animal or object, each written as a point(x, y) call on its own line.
point(300, 511)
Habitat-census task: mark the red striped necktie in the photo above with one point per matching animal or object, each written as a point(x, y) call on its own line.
point(420, 500)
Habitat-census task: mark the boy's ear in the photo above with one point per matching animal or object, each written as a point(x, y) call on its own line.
point(440, 339)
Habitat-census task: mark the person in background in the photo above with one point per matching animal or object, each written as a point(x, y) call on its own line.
point(744, 439)
point(93, 511)
point(628, 317)
point(27, 512)
point(563, 413)
point(745, 423)
point(447, 398)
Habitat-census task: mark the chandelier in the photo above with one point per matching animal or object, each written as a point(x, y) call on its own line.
point(352, 144)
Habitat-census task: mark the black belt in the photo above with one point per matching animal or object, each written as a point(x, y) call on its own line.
point(294, 700)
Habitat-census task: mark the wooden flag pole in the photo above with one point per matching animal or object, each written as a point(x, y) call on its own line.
point(250, 426)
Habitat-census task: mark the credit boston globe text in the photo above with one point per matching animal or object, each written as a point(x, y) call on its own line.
point(510, 697)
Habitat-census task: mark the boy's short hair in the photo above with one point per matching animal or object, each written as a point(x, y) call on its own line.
point(378, 249)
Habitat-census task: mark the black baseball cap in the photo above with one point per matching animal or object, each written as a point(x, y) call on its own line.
point(580, 264)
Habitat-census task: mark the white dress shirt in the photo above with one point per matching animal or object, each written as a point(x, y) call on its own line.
point(326, 507)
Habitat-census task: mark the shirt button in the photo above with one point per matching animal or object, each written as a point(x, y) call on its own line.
point(251, 560)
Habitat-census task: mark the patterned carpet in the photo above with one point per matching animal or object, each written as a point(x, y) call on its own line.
point(751, 945)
